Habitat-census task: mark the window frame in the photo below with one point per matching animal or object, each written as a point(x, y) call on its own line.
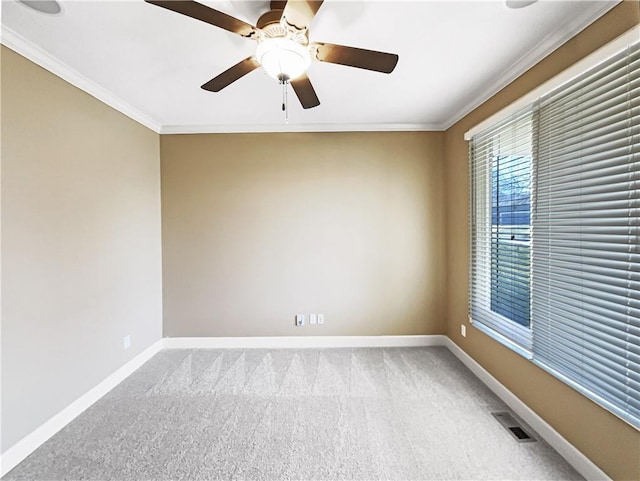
point(609, 373)
point(504, 330)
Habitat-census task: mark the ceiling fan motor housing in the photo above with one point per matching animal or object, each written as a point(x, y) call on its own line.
point(282, 51)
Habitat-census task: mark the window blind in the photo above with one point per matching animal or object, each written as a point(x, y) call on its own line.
point(586, 234)
point(500, 163)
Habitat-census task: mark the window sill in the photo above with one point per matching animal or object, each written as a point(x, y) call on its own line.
point(505, 341)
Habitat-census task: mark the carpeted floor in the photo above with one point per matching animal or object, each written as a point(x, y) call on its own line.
point(399, 413)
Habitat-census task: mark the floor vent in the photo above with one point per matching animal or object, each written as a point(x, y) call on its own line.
point(514, 427)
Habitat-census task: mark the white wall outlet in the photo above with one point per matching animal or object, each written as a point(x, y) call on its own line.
point(313, 318)
point(320, 318)
point(127, 342)
point(463, 330)
point(300, 320)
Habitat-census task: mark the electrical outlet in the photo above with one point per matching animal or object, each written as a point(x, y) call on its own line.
point(127, 342)
point(300, 320)
point(463, 330)
point(313, 318)
point(320, 318)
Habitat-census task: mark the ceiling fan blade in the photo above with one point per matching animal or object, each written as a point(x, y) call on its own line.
point(232, 74)
point(299, 13)
point(305, 92)
point(206, 14)
point(278, 4)
point(356, 57)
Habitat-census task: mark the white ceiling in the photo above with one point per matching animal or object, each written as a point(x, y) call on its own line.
point(149, 62)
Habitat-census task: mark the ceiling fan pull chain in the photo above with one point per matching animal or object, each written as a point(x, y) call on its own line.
point(284, 106)
point(285, 101)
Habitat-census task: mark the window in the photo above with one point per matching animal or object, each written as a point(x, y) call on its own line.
point(555, 233)
point(501, 228)
point(511, 235)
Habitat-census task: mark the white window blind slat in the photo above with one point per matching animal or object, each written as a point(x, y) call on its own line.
point(597, 107)
point(605, 80)
point(612, 157)
point(587, 170)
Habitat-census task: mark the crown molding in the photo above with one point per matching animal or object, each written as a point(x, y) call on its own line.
point(545, 47)
point(598, 56)
point(44, 59)
point(283, 128)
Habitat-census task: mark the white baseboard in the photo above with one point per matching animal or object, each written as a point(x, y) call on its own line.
point(23, 448)
point(300, 342)
point(570, 453)
point(18, 452)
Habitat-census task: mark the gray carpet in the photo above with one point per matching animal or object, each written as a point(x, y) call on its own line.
point(400, 413)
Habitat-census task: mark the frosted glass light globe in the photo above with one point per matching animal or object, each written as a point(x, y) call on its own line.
point(283, 58)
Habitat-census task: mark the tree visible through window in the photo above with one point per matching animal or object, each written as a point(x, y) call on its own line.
point(511, 237)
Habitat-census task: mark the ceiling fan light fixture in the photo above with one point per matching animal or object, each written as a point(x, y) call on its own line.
point(282, 58)
point(519, 3)
point(49, 7)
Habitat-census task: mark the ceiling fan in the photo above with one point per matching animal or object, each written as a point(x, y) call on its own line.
point(283, 50)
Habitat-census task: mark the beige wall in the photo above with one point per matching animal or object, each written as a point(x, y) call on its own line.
point(612, 444)
point(80, 243)
point(259, 227)
point(368, 228)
